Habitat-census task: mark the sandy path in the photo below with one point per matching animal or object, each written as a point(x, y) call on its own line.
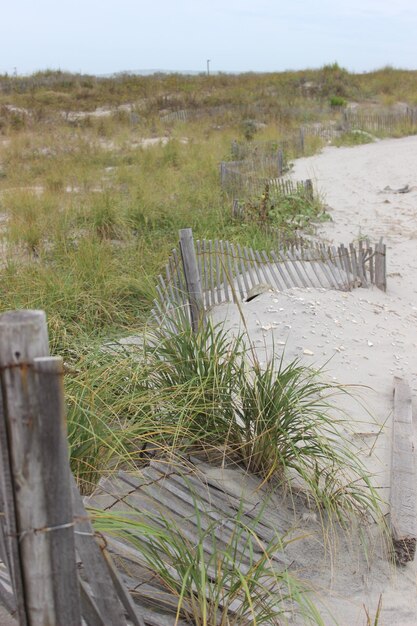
point(364, 337)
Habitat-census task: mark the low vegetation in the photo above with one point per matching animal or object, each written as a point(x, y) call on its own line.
point(96, 178)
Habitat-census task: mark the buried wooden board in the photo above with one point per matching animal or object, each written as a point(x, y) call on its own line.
point(203, 504)
point(183, 497)
point(403, 509)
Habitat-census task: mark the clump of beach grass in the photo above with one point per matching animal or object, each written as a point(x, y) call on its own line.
point(213, 581)
point(279, 421)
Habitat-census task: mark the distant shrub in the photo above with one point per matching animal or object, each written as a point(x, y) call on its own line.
point(337, 101)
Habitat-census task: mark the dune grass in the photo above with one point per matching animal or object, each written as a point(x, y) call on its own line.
point(213, 584)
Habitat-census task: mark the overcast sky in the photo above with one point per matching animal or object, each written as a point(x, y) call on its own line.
point(104, 36)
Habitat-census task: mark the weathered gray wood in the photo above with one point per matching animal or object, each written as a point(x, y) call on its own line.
point(226, 280)
point(302, 140)
point(346, 263)
point(54, 509)
point(168, 312)
point(255, 264)
point(175, 500)
point(230, 274)
point(262, 268)
point(7, 596)
point(280, 157)
point(251, 274)
point(297, 254)
point(192, 277)
point(9, 523)
point(282, 259)
point(229, 503)
point(327, 279)
point(211, 273)
point(361, 264)
point(403, 502)
point(181, 281)
point(124, 597)
point(155, 501)
point(218, 271)
point(34, 416)
point(316, 267)
point(296, 264)
point(90, 612)
point(308, 186)
point(238, 275)
point(354, 261)
point(94, 564)
point(242, 268)
point(343, 279)
point(380, 266)
point(371, 258)
point(271, 268)
point(204, 274)
point(188, 487)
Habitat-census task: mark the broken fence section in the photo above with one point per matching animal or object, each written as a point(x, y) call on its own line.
point(226, 272)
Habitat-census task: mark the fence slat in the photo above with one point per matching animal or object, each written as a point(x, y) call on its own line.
point(218, 269)
point(272, 271)
point(204, 277)
point(211, 270)
point(243, 268)
point(224, 271)
point(9, 523)
point(231, 278)
point(95, 567)
point(237, 270)
point(250, 269)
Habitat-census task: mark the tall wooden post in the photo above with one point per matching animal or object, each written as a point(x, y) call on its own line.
point(308, 186)
point(192, 277)
point(380, 266)
point(302, 140)
point(222, 174)
point(280, 162)
point(34, 459)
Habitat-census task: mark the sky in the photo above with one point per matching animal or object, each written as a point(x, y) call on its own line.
point(104, 37)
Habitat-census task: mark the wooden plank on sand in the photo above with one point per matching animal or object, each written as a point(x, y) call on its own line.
point(403, 509)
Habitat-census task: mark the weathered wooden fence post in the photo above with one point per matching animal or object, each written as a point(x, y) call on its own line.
point(302, 134)
point(280, 162)
point(192, 277)
point(308, 186)
point(403, 505)
point(222, 174)
point(35, 458)
point(380, 266)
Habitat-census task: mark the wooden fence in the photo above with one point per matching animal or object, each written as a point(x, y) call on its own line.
point(214, 272)
point(325, 130)
point(176, 116)
point(54, 570)
point(246, 179)
point(387, 122)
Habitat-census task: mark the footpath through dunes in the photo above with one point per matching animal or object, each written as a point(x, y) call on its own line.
point(363, 338)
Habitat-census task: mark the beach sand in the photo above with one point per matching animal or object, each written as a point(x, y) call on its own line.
point(363, 339)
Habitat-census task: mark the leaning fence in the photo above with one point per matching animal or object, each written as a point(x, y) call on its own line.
point(206, 273)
